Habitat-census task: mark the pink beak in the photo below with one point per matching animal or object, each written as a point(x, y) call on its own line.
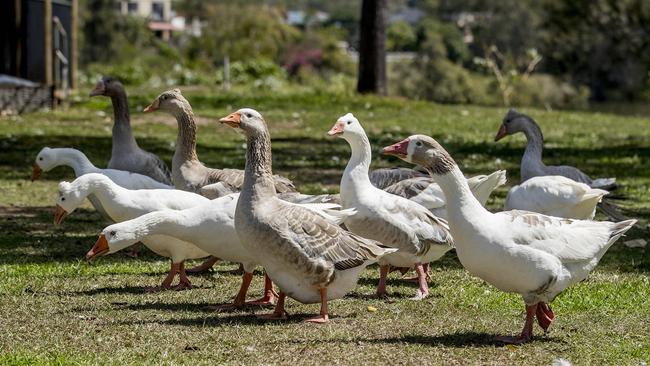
point(399, 149)
point(100, 88)
point(337, 129)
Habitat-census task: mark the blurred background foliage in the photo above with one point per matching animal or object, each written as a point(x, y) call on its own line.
point(548, 53)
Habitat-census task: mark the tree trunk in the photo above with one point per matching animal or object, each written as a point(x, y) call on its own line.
point(372, 47)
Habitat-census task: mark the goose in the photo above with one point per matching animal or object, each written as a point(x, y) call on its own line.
point(209, 226)
point(126, 154)
point(555, 195)
point(50, 158)
point(188, 173)
point(310, 258)
point(123, 204)
point(531, 163)
point(534, 255)
point(391, 220)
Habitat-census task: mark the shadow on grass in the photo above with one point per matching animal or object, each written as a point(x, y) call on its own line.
point(462, 339)
point(215, 319)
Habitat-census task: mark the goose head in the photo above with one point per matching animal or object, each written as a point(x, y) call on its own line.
point(107, 86)
point(422, 150)
point(247, 119)
point(513, 122)
point(67, 200)
point(170, 101)
point(348, 128)
point(112, 239)
point(45, 161)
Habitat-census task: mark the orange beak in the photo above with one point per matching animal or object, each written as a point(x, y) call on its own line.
point(100, 89)
point(59, 215)
point(399, 149)
point(337, 129)
point(152, 107)
point(501, 134)
point(36, 172)
point(100, 248)
point(232, 120)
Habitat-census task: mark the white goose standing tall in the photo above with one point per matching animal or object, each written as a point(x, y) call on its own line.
point(531, 254)
point(394, 221)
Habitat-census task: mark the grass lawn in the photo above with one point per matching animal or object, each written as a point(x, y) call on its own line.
point(57, 309)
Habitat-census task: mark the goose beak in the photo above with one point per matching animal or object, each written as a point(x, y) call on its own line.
point(100, 89)
point(152, 107)
point(337, 129)
point(501, 134)
point(232, 120)
point(100, 248)
point(399, 149)
point(59, 215)
point(36, 172)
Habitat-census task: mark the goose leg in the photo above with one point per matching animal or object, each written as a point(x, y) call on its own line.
point(544, 315)
point(423, 291)
point(383, 274)
point(278, 313)
point(184, 283)
point(167, 282)
point(427, 272)
point(205, 266)
point(527, 333)
point(269, 297)
point(323, 317)
point(240, 299)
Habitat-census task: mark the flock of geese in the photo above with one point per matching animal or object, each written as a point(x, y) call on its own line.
point(313, 248)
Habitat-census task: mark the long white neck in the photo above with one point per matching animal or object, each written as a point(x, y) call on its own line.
point(462, 207)
point(101, 187)
point(165, 222)
point(355, 177)
point(76, 160)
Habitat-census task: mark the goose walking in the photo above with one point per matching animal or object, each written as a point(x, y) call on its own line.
point(125, 153)
point(122, 204)
point(394, 221)
point(310, 258)
point(531, 254)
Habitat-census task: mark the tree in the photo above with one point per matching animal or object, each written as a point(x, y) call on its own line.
point(372, 47)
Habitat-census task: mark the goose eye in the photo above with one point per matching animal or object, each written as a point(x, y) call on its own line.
point(349, 122)
point(248, 115)
point(41, 158)
point(112, 233)
point(163, 97)
point(62, 198)
point(418, 143)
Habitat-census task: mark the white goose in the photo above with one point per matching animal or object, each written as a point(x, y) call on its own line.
point(209, 226)
point(50, 158)
point(531, 254)
point(555, 195)
point(310, 258)
point(392, 220)
point(123, 204)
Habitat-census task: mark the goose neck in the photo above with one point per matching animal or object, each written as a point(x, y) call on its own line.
point(98, 185)
point(77, 161)
point(360, 159)
point(461, 205)
point(122, 134)
point(535, 142)
point(258, 178)
point(186, 141)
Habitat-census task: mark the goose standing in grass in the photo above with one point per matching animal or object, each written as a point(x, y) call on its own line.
point(50, 158)
point(126, 154)
point(531, 163)
point(309, 257)
point(188, 173)
point(531, 254)
point(555, 195)
point(122, 204)
point(392, 220)
point(209, 226)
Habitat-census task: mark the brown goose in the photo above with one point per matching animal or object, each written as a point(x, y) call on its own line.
point(126, 154)
point(188, 173)
point(309, 257)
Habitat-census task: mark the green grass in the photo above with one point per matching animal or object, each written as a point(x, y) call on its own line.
point(57, 309)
